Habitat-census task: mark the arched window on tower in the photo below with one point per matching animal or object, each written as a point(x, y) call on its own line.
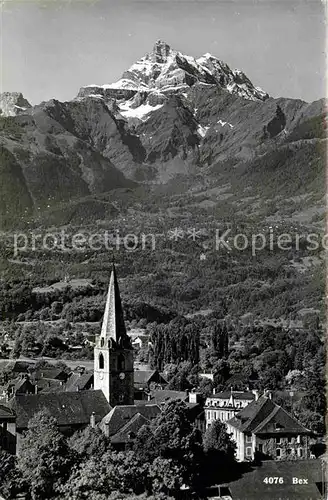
point(101, 361)
point(102, 342)
point(121, 362)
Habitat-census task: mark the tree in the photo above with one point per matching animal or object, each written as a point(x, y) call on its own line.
point(221, 372)
point(216, 438)
point(206, 387)
point(101, 475)
point(45, 458)
point(90, 479)
point(220, 339)
point(172, 437)
point(9, 480)
point(7, 463)
point(166, 475)
point(90, 442)
point(219, 452)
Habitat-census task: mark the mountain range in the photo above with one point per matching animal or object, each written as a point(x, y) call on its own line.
point(172, 124)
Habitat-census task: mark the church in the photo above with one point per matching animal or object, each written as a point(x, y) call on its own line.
point(110, 404)
point(113, 353)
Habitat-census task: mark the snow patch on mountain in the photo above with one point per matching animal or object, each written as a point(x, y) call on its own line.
point(221, 122)
point(202, 130)
point(140, 112)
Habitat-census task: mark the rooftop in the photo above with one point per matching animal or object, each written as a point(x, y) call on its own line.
point(236, 395)
point(79, 382)
point(68, 408)
point(130, 429)
point(6, 413)
point(266, 417)
point(162, 396)
point(119, 416)
point(145, 376)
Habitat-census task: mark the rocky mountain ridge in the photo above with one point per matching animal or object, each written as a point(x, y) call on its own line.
point(170, 116)
point(13, 104)
point(165, 70)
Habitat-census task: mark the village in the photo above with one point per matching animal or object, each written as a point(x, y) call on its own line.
point(119, 397)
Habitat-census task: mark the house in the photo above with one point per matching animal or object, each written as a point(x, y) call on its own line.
point(208, 376)
point(49, 379)
point(20, 366)
point(122, 423)
point(48, 385)
point(140, 341)
point(19, 385)
point(224, 405)
point(264, 429)
point(51, 374)
point(162, 396)
point(148, 379)
point(79, 381)
point(72, 410)
point(193, 400)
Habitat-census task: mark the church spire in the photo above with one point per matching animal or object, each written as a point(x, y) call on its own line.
point(113, 321)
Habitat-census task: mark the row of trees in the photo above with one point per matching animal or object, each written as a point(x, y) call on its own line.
point(174, 342)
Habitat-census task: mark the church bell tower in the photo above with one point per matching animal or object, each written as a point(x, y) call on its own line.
point(113, 353)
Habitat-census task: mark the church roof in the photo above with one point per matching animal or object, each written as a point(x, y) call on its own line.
point(113, 321)
point(68, 408)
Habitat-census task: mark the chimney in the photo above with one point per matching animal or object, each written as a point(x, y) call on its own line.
point(193, 397)
point(106, 429)
point(36, 388)
point(214, 391)
point(93, 420)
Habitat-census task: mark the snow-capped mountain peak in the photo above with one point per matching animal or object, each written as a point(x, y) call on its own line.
point(166, 70)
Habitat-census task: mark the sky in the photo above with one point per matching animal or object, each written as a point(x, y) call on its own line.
point(51, 48)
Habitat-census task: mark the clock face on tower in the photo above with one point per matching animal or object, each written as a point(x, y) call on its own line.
point(122, 376)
